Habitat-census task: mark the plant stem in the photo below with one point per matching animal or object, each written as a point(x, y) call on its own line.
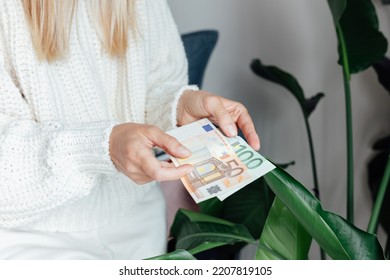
point(376, 210)
point(316, 188)
point(350, 166)
point(348, 114)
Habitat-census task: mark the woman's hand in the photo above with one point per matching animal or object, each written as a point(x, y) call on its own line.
point(131, 152)
point(227, 114)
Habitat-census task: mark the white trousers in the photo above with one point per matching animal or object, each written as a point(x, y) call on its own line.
point(137, 235)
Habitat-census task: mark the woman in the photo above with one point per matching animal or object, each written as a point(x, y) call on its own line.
point(86, 90)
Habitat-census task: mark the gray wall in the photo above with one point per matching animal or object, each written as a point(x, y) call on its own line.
point(297, 36)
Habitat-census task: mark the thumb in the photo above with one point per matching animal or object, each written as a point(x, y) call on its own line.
point(171, 145)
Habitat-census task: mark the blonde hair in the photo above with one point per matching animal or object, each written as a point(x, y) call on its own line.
point(50, 23)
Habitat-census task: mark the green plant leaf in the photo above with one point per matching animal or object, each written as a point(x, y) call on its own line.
point(339, 238)
point(249, 206)
point(280, 77)
point(288, 81)
point(337, 8)
point(312, 102)
point(382, 144)
point(212, 207)
point(359, 29)
point(382, 69)
point(197, 232)
point(285, 165)
point(283, 237)
point(376, 170)
point(176, 255)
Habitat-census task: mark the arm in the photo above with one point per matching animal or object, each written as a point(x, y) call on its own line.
point(168, 67)
point(170, 102)
point(43, 166)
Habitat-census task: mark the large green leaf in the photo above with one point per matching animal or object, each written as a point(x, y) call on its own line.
point(288, 81)
point(337, 8)
point(283, 236)
point(339, 238)
point(358, 31)
point(249, 206)
point(197, 232)
point(212, 207)
point(176, 255)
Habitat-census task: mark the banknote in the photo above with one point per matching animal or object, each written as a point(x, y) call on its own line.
point(217, 169)
point(256, 164)
point(222, 165)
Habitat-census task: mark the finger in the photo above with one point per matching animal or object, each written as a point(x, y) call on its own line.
point(245, 123)
point(169, 144)
point(222, 116)
point(142, 179)
point(135, 173)
point(167, 164)
point(161, 171)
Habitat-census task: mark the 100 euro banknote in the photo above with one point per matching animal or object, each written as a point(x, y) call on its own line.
point(218, 170)
point(256, 164)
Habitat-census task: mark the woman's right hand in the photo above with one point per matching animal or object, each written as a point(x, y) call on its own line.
point(131, 151)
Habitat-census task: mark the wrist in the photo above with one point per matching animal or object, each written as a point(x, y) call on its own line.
point(182, 106)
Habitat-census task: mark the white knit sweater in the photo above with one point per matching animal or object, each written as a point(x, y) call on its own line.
point(55, 118)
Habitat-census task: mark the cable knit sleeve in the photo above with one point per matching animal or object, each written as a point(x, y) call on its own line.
point(43, 166)
point(168, 68)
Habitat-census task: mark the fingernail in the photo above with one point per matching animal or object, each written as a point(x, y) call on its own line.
point(184, 151)
point(232, 130)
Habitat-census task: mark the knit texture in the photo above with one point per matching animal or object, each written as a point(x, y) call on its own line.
point(56, 118)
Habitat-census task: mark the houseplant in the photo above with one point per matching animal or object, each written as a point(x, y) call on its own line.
point(296, 216)
point(303, 217)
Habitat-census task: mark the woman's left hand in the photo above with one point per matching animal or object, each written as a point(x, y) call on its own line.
point(227, 114)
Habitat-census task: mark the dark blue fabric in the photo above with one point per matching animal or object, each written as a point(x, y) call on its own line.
point(198, 47)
